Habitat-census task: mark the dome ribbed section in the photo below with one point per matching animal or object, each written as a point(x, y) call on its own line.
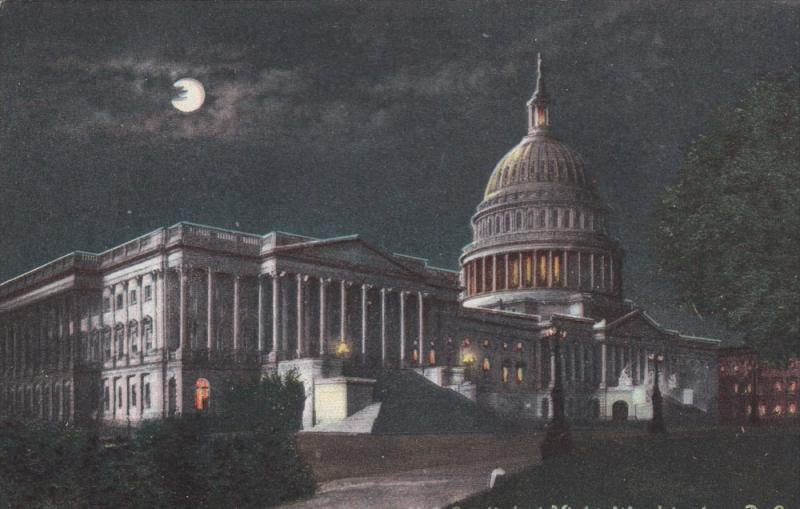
point(537, 158)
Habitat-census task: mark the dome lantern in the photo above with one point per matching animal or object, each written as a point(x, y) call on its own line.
point(538, 112)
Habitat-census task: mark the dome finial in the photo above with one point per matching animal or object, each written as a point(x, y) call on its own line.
point(539, 94)
point(538, 114)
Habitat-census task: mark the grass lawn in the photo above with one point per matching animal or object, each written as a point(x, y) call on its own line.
point(722, 469)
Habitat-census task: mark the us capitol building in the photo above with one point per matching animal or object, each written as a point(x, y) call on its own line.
point(159, 325)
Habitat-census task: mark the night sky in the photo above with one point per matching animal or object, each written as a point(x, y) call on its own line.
point(382, 119)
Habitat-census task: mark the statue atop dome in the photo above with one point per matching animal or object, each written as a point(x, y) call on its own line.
point(538, 112)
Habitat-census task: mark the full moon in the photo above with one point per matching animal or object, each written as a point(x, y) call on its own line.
point(192, 96)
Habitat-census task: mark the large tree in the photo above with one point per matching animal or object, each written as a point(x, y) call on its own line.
point(729, 229)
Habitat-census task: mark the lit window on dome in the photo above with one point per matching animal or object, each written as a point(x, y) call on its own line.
point(542, 269)
point(556, 269)
point(513, 270)
point(527, 266)
point(489, 273)
point(792, 408)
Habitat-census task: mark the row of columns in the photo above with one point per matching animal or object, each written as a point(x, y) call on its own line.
point(279, 313)
point(499, 272)
point(120, 315)
point(48, 400)
point(40, 338)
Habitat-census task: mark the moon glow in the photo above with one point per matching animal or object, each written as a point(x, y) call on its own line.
point(192, 96)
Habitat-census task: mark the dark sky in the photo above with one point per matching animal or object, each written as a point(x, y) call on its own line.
point(383, 119)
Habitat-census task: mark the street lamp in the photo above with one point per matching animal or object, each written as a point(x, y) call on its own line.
point(657, 423)
point(557, 440)
point(752, 365)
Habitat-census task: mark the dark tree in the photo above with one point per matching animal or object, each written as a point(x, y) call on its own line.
point(729, 230)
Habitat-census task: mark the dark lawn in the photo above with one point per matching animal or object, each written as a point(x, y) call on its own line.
point(726, 469)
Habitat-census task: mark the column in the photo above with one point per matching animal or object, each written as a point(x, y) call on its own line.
point(611, 273)
point(276, 317)
point(573, 372)
point(505, 262)
point(521, 269)
point(210, 322)
point(565, 268)
point(603, 367)
point(494, 272)
point(402, 328)
point(343, 311)
point(383, 327)
point(591, 271)
point(156, 323)
point(579, 271)
point(323, 315)
point(300, 316)
point(421, 338)
point(184, 311)
point(549, 269)
point(261, 304)
point(237, 328)
point(112, 295)
point(125, 305)
point(364, 289)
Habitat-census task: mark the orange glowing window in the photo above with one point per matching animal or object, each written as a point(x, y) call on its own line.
point(792, 408)
point(202, 394)
point(486, 366)
point(432, 357)
point(528, 270)
point(556, 269)
point(513, 270)
point(415, 356)
point(542, 269)
point(792, 386)
point(778, 410)
point(520, 374)
point(505, 374)
point(541, 117)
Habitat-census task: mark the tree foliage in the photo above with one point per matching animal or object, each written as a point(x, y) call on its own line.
point(191, 462)
point(729, 230)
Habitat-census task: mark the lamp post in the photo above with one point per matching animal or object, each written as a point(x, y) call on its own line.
point(557, 440)
point(755, 418)
point(657, 423)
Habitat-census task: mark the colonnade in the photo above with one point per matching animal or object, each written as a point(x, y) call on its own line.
point(542, 268)
point(295, 319)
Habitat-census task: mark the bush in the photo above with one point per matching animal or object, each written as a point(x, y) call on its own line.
point(191, 461)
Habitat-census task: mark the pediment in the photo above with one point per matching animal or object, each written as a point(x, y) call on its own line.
point(352, 252)
point(637, 324)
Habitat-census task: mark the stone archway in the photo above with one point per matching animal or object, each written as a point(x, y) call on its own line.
point(619, 411)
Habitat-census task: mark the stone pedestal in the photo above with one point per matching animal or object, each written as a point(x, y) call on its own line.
point(311, 372)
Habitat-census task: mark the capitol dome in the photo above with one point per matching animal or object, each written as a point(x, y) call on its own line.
point(539, 235)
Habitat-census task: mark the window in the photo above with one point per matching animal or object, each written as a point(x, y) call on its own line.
point(519, 372)
point(202, 394)
point(792, 386)
point(106, 397)
point(486, 366)
point(119, 396)
point(132, 402)
point(120, 339)
point(106, 304)
point(147, 333)
point(778, 387)
point(148, 293)
point(119, 300)
point(133, 336)
point(505, 374)
point(132, 299)
point(146, 391)
point(106, 344)
point(792, 408)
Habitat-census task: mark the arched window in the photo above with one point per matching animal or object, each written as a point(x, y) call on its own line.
point(486, 366)
point(505, 371)
point(432, 354)
point(497, 224)
point(106, 343)
point(507, 226)
point(518, 221)
point(202, 394)
point(792, 408)
point(133, 336)
point(541, 215)
point(529, 223)
point(119, 338)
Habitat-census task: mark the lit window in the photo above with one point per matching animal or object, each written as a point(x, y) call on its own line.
point(542, 269)
point(519, 347)
point(778, 410)
point(432, 357)
point(556, 269)
point(520, 372)
point(505, 346)
point(778, 387)
point(486, 366)
point(148, 293)
point(202, 394)
point(792, 408)
point(486, 343)
point(505, 374)
point(792, 386)
point(762, 410)
point(736, 388)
